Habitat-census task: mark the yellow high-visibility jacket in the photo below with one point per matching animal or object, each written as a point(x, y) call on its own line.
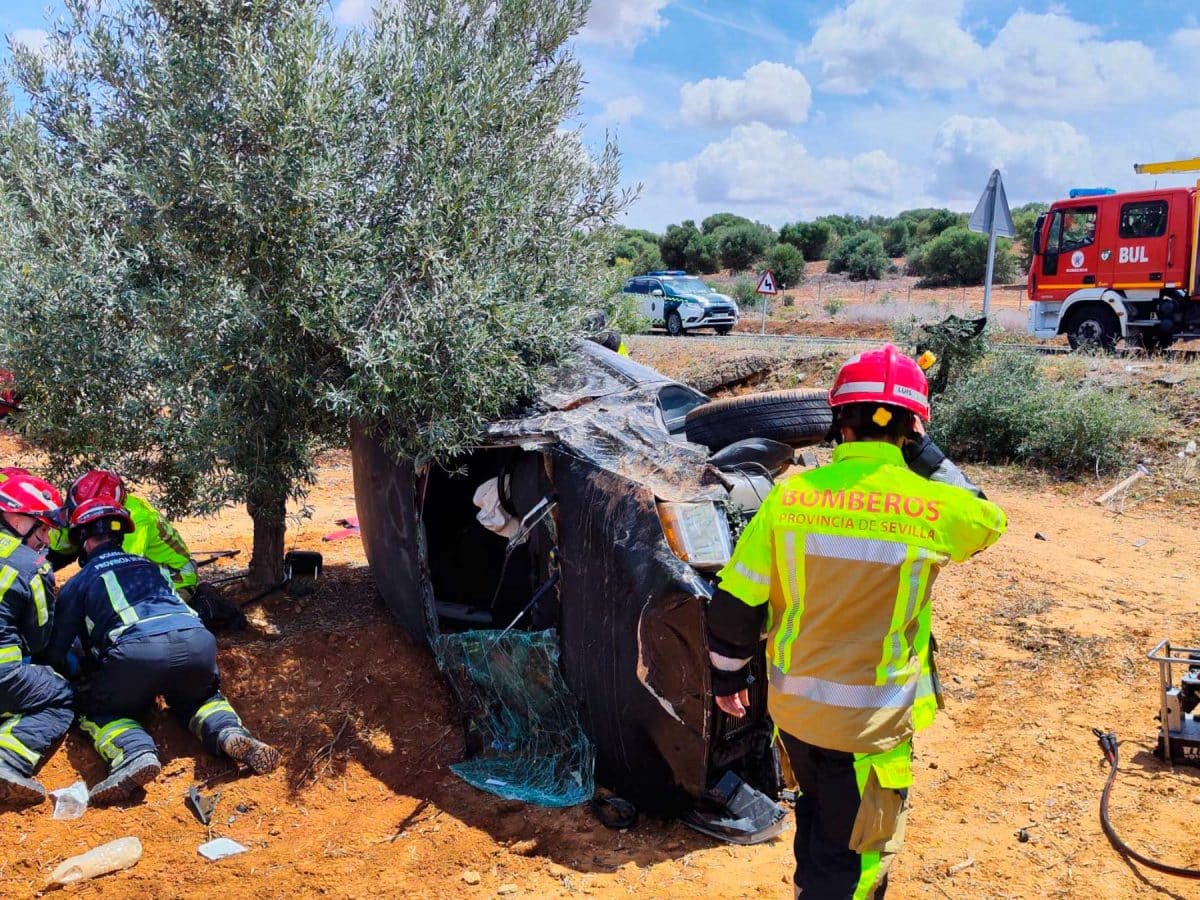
point(153, 537)
point(843, 557)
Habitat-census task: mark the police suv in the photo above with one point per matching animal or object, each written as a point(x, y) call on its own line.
point(680, 302)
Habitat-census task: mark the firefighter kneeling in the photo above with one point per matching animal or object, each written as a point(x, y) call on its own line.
point(845, 556)
point(147, 643)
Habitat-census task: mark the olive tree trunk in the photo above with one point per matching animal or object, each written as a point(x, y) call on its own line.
point(270, 525)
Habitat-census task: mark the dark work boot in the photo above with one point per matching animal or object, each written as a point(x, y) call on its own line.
point(17, 790)
point(240, 747)
point(126, 778)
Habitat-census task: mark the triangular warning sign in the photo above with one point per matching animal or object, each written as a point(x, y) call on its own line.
point(766, 284)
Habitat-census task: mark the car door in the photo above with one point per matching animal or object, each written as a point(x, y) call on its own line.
point(1070, 260)
point(1146, 248)
point(657, 301)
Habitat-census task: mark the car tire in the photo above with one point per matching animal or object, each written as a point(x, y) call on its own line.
point(799, 418)
point(1093, 327)
point(724, 329)
point(674, 324)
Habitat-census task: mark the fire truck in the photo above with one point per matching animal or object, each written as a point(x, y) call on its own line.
point(1109, 266)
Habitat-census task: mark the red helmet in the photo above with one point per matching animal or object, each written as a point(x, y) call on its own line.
point(882, 376)
point(96, 483)
point(31, 496)
point(99, 515)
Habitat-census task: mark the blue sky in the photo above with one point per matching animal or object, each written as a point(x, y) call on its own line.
point(782, 110)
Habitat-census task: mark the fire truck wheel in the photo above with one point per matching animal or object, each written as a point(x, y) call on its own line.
point(1092, 327)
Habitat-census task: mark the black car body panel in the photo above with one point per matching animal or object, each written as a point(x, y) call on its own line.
point(630, 613)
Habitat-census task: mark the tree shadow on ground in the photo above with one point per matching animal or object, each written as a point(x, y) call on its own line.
point(339, 682)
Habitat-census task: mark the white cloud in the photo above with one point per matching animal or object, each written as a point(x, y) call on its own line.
point(921, 42)
point(622, 23)
point(1055, 62)
point(35, 39)
point(768, 92)
point(767, 169)
point(353, 12)
point(1186, 39)
point(620, 110)
point(1041, 159)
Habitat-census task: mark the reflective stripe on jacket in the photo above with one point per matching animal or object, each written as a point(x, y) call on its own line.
point(115, 593)
point(845, 555)
point(26, 600)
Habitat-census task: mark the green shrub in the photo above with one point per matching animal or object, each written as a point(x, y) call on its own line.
point(786, 264)
point(811, 238)
point(674, 241)
point(744, 291)
point(833, 304)
point(701, 254)
point(639, 248)
point(860, 256)
point(1008, 410)
point(958, 256)
point(717, 221)
point(741, 245)
point(954, 341)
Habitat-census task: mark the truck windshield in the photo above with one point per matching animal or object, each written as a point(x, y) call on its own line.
point(1071, 229)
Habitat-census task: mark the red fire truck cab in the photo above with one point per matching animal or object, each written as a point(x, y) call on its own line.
point(1108, 266)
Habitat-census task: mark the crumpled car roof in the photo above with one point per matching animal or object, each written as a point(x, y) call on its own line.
point(603, 407)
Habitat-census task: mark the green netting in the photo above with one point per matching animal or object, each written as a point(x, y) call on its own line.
point(523, 728)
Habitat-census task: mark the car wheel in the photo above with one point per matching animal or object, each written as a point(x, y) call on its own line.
point(724, 329)
point(1092, 327)
point(800, 418)
point(674, 324)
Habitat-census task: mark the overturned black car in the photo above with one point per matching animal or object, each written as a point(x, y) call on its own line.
point(606, 521)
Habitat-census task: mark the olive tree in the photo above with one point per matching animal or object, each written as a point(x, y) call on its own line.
point(225, 234)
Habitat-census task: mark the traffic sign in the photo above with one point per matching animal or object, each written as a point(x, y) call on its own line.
point(766, 284)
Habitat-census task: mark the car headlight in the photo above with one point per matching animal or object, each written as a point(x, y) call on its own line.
point(697, 533)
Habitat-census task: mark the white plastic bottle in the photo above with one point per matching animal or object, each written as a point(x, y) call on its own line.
point(111, 857)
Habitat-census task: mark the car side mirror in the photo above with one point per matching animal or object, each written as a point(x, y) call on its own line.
point(656, 292)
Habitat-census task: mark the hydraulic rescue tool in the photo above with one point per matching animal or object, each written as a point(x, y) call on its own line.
point(1178, 742)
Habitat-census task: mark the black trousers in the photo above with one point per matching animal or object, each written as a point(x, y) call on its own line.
point(827, 867)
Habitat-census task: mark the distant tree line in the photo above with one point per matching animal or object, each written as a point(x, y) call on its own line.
point(931, 243)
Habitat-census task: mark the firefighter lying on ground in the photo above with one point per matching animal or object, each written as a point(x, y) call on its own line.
point(836, 568)
point(154, 538)
point(144, 642)
point(35, 701)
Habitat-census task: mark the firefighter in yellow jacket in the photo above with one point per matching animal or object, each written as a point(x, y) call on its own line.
point(836, 568)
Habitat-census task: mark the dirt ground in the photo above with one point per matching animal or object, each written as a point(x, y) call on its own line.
point(1042, 637)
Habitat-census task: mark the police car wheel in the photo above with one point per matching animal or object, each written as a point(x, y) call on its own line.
point(674, 324)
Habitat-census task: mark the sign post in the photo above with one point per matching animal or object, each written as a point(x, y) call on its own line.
point(992, 217)
point(766, 288)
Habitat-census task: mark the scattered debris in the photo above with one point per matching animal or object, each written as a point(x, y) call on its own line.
point(70, 802)
point(203, 806)
point(111, 857)
point(507, 889)
point(1170, 380)
point(349, 529)
point(1023, 835)
point(1038, 536)
point(959, 867)
point(220, 848)
point(1140, 543)
point(471, 877)
point(1122, 487)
